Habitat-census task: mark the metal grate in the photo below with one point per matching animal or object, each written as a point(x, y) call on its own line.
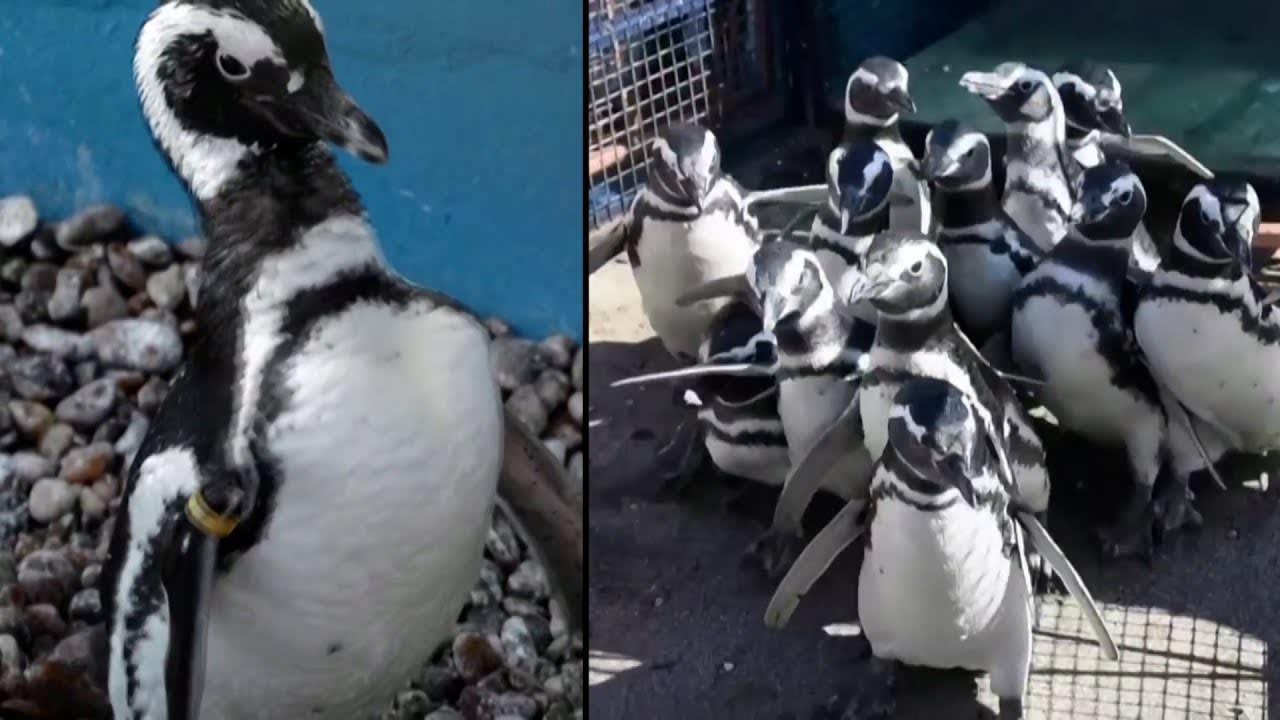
point(656, 62)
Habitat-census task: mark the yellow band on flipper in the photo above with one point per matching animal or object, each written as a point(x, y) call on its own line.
point(206, 520)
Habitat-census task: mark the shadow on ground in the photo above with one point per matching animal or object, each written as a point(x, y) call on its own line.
point(676, 617)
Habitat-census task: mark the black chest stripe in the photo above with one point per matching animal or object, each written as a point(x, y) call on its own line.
point(1261, 326)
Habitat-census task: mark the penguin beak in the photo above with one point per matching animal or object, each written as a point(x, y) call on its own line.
point(937, 165)
point(328, 112)
point(1113, 121)
point(1088, 210)
point(900, 100)
point(857, 286)
point(774, 307)
point(984, 84)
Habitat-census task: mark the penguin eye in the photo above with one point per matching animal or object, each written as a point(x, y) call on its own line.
point(231, 68)
point(916, 268)
point(1026, 86)
point(1125, 197)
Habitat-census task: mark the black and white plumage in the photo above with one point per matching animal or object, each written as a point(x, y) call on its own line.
point(352, 414)
point(857, 207)
point(1203, 326)
point(689, 224)
point(739, 414)
point(1072, 328)
point(1093, 102)
point(875, 97)
point(1040, 175)
point(987, 254)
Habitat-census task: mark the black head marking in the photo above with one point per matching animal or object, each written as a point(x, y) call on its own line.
point(1112, 202)
point(934, 433)
point(685, 162)
point(1017, 92)
point(957, 156)
point(1204, 242)
point(878, 92)
point(908, 273)
point(1091, 97)
point(863, 177)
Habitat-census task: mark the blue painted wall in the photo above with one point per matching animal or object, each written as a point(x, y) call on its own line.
point(481, 103)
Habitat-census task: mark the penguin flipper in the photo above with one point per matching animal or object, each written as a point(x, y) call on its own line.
point(797, 195)
point(746, 369)
point(532, 490)
point(606, 242)
point(1050, 551)
point(818, 555)
point(1154, 146)
point(841, 437)
point(1181, 415)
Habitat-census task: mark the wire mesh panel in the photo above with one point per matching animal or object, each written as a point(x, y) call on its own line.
point(656, 62)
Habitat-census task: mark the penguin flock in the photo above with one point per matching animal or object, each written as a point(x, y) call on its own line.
point(895, 354)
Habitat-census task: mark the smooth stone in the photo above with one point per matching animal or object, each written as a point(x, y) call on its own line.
point(552, 387)
point(83, 465)
point(191, 276)
point(10, 653)
point(474, 656)
point(167, 288)
point(441, 684)
point(563, 428)
point(31, 466)
point(108, 431)
point(517, 644)
point(557, 448)
point(12, 623)
point(444, 714)
point(11, 324)
point(152, 394)
point(64, 303)
point(89, 405)
point(91, 225)
point(92, 505)
point(86, 371)
point(43, 246)
point(151, 250)
point(131, 439)
point(107, 487)
point(575, 479)
point(8, 568)
point(75, 651)
point(31, 418)
point(89, 577)
point(502, 544)
point(525, 405)
point(413, 705)
point(102, 304)
point(576, 371)
point(512, 705)
point(497, 327)
point(40, 377)
point(529, 580)
point(515, 362)
point(575, 407)
point(57, 440)
point(18, 219)
point(127, 268)
point(43, 619)
point(50, 499)
point(40, 276)
point(32, 305)
point(47, 576)
point(57, 342)
point(86, 606)
point(137, 344)
point(11, 270)
point(192, 248)
point(558, 349)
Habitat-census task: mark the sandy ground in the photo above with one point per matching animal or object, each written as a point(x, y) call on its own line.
point(675, 616)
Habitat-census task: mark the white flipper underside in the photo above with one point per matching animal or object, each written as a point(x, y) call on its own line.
point(1154, 146)
point(843, 436)
point(813, 562)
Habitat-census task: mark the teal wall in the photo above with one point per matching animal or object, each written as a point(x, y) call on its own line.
point(480, 101)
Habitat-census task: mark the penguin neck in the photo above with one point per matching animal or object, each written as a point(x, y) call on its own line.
point(817, 337)
point(1037, 143)
point(886, 135)
point(913, 330)
point(1106, 259)
point(266, 209)
point(966, 208)
point(1075, 135)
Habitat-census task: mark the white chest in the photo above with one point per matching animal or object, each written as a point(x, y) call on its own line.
point(1046, 224)
point(808, 406)
point(389, 450)
point(980, 287)
point(676, 257)
point(1222, 373)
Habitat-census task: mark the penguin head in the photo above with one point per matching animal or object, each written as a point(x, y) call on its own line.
point(1112, 202)
point(1242, 213)
point(903, 275)
point(933, 429)
point(957, 157)
point(1091, 97)
point(788, 281)
point(685, 162)
point(877, 93)
point(1207, 236)
point(1017, 92)
point(221, 81)
point(863, 177)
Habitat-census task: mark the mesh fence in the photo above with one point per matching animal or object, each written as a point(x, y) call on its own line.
point(656, 62)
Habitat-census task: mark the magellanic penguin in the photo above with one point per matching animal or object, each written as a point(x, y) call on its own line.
point(1072, 328)
point(987, 254)
point(905, 279)
point(1204, 326)
point(945, 578)
point(1092, 103)
point(1040, 175)
point(689, 224)
point(861, 187)
point(321, 474)
point(875, 97)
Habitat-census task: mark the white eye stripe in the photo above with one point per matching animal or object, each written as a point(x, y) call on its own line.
point(660, 146)
point(707, 154)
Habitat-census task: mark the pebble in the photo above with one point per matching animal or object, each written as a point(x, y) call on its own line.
point(11, 653)
point(11, 270)
point(515, 362)
point(13, 624)
point(31, 418)
point(576, 372)
point(441, 684)
point(474, 656)
point(89, 226)
point(557, 448)
point(86, 606)
point(47, 576)
point(529, 580)
point(151, 250)
point(75, 650)
point(57, 342)
point(552, 387)
point(40, 377)
point(40, 276)
point(126, 267)
point(167, 288)
point(18, 219)
point(102, 304)
point(92, 505)
point(32, 305)
point(31, 466)
point(558, 350)
point(192, 248)
point(50, 499)
point(85, 371)
point(64, 303)
point(83, 465)
point(191, 275)
point(43, 619)
point(525, 405)
point(517, 645)
point(89, 578)
point(56, 441)
point(89, 405)
point(135, 344)
point(413, 705)
point(10, 323)
point(444, 714)
point(497, 327)
point(575, 407)
point(152, 394)
point(502, 545)
point(131, 439)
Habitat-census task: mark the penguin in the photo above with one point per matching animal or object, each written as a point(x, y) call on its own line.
point(875, 96)
point(945, 580)
point(687, 225)
point(1071, 327)
point(1092, 102)
point(739, 415)
point(1206, 329)
point(861, 185)
point(988, 255)
point(322, 472)
point(1040, 177)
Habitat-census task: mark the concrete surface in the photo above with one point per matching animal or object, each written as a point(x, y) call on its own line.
point(480, 102)
point(675, 617)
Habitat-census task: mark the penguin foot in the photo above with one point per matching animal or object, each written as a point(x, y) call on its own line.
point(1173, 510)
point(1132, 537)
point(774, 553)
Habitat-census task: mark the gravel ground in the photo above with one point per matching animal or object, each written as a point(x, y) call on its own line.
point(93, 322)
